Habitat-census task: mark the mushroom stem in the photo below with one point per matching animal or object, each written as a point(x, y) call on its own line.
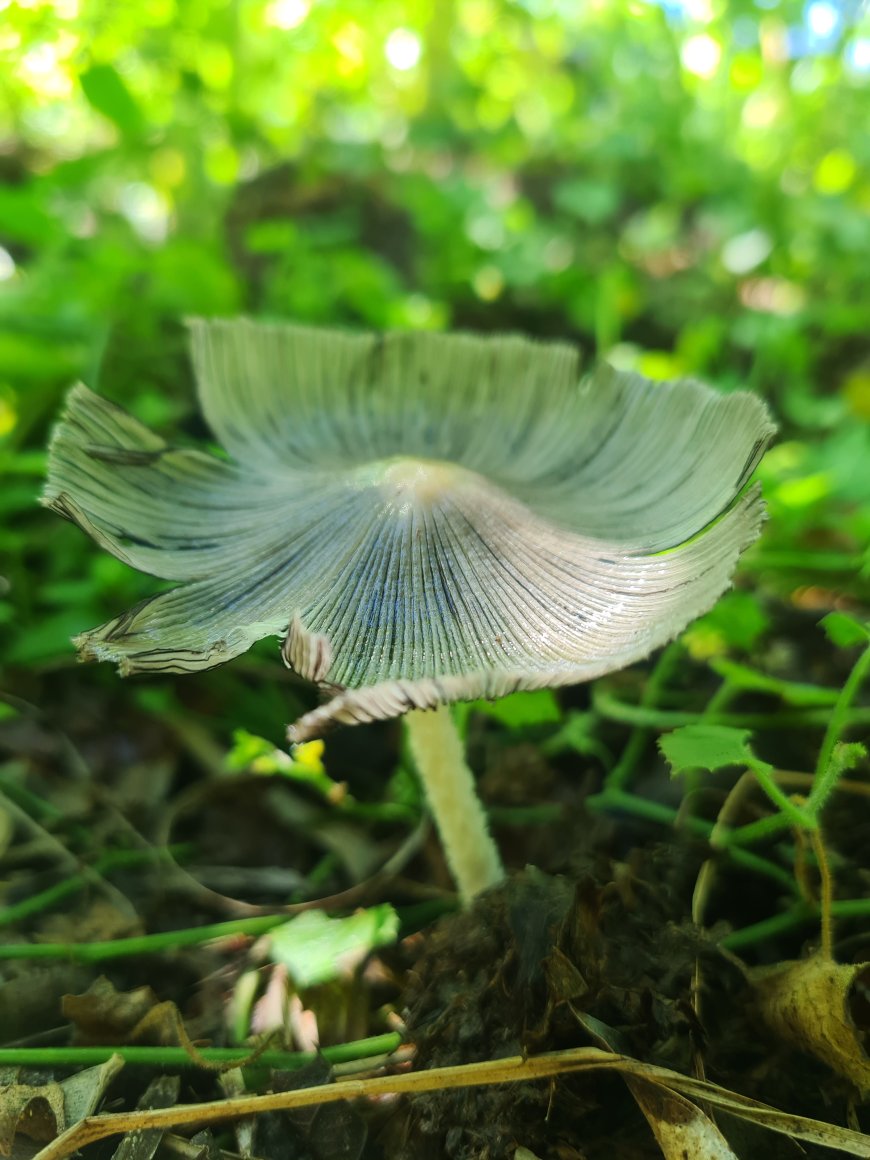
point(438, 754)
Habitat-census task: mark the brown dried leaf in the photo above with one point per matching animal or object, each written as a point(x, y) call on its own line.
point(680, 1127)
point(162, 1092)
point(32, 1111)
point(99, 921)
point(40, 1112)
point(103, 1014)
point(84, 1090)
point(813, 1005)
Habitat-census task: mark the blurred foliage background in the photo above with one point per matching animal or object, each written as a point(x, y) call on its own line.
point(680, 187)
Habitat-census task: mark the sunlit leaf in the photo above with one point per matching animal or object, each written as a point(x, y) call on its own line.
point(845, 631)
point(316, 948)
point(738, 621)
point(108, 94)
point(708, 747)
point(522, 710)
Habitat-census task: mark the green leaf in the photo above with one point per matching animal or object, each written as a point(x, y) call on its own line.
point(317, 949)
point(590, 201)
point(106, 92)
point(845, 631)
point(521, 710)
point(248, 748)
point(23, 218)
point(18, 498)
point(709, 747)
point(48, 638)
point(738, 619)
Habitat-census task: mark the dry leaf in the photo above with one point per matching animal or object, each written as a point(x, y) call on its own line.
point(40, 1112)
point(812, 1004)
point(162, 1092)
point(681, 1129)
point(98, 921)
point(32, 1111)
point(104, 1015)
point(84, 1090)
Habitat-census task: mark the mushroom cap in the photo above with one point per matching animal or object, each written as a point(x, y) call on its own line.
point(421, 517)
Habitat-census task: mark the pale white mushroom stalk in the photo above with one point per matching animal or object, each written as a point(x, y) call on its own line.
point(421, 518)
point(437, 750)
point(438, 754)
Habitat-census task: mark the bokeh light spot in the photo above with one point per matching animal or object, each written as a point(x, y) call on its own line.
point(857, 54)
point(287, 13)
point(403, 49)
point(835, 172)
point(701, 55)
point(8, 411)
point(488, 283)
point(746, 251)
point(822, 19)
point(7, 265)
point(146, 210)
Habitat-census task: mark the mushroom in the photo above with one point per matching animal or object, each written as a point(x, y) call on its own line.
point(422, 518)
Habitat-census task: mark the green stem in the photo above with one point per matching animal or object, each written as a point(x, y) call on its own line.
point(412, 919)
point(836, 725)
point(45, 899)
point(655, 812)
point(146, 944)
point(756, 831)
point(720, 699)
point(437, 751)
point(613, 709)
point(795, 815)
point(803, 561)
point(177, 1057)
point(796, 916)
point(620, 775)
point(36, 806)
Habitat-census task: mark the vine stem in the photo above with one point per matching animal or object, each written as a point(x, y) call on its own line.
point(836, 725)
point(826, 895)
point(619, 777)
point(177, 1056)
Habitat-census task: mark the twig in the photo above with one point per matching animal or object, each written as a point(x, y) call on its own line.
point(516, 1069)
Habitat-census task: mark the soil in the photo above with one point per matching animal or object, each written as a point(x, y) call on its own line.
point(590, 942)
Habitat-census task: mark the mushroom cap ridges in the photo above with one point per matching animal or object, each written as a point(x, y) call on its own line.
point(436, 517)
